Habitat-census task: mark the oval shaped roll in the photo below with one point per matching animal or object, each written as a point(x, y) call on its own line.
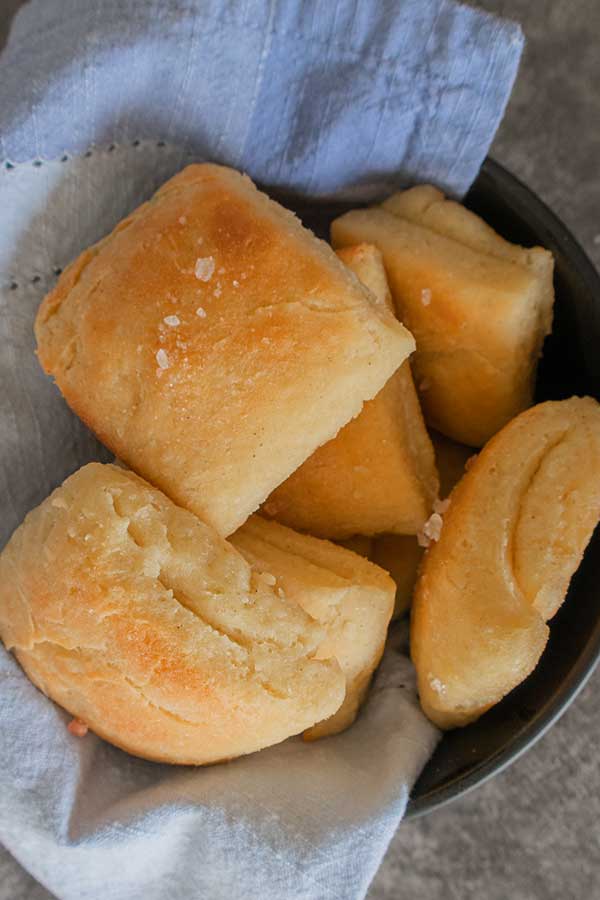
point(152, 630)
point(514, 533)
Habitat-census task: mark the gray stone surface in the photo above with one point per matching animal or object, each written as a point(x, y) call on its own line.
point(533, 832)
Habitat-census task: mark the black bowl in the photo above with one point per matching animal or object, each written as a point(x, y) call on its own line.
point(468, 756)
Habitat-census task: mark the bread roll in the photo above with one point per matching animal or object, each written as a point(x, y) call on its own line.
point(350, 597)
point(213, 343)
point(401, 555)
point(379, 473)
point(513, 535)
point(451, 459)
point(479, 308)
point(153, 631)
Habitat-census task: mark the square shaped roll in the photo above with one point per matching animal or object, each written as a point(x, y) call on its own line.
point(213, 343)
point(479, 307)
point(141, 621)
point(350, 597)
point(378, 474)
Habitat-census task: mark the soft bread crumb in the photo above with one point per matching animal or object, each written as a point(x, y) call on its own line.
point(77, 727)
point(204, 268)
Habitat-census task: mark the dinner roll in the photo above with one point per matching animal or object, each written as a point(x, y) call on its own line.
point(452, 459)
point(513, 535)
point(213, 343)
point(378, 474)
point(153, 631)
point(350, 597)
point(401, 555)
point(479, 308)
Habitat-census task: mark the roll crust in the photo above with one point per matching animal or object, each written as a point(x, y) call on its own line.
point(479, 307)
point(349, 596)
point(148, 627)
point(378, 474)
point(513, 535)
point(213, 343)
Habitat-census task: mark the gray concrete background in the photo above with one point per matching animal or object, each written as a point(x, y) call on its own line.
point(533, 832)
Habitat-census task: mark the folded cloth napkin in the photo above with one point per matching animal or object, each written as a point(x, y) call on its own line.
point(101, 101)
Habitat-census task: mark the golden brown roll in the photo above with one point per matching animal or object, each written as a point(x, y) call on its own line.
point(153, 631)
point(451, 459)
point(378, 474)
point(401, 555)
point(213, 343)
point(350, 597)
point(479, 308)
point(513, 535)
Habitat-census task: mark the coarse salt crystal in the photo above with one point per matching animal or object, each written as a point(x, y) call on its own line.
point(204, 268)
point(162, 359)
point(426, 296)
point(77, 727)
point(440, 506)
point(173, 321)
point(431, 530)
point(201, 313)
point(200, 240)
point(235, 283)
point(268, 578)
point(436, 685)
point(221, 271)
point(217, 290)
point(182, 220)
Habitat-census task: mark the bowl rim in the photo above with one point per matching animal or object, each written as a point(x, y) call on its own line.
point(495, 177)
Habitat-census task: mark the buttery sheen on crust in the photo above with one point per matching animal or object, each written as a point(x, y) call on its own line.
point(350, 597)
point(479, 307)
point(213, 343)
point(378, 474)
point(148, 627)
point(514, 534)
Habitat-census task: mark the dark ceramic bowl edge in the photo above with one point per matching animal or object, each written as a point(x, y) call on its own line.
point(494, 177)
